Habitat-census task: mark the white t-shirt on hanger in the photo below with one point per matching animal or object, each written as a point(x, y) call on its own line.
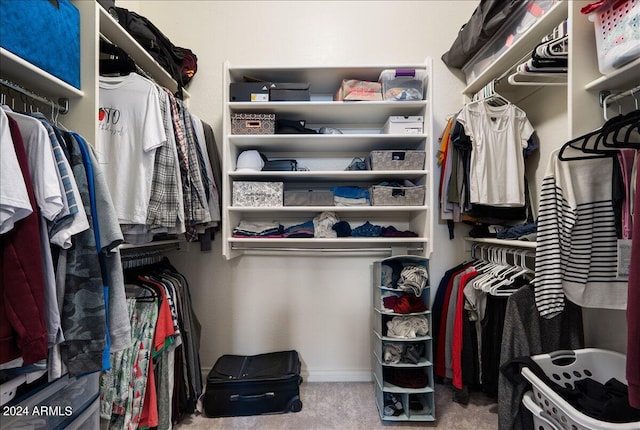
point(499, 135)
point(14, 199)
point(42, 165)
point(130, 129)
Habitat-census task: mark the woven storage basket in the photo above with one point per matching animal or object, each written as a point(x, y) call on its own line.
point(382, 195)
point(397, 160)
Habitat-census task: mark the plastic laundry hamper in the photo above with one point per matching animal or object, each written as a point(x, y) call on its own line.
point(566, 367)
point(617, 27)
point(541, 420)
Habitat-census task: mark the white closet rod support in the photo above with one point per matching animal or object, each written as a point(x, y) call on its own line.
point(62, 105)
point(607, 97)
point(546, 79)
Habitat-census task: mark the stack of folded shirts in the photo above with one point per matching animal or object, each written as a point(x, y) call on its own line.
point(350, 196)
point(258, 229)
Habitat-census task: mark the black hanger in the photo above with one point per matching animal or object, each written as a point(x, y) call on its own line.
point(118, 63)
point(155, 295)
point(580, 143)
point(620, 133)
point(593, 143)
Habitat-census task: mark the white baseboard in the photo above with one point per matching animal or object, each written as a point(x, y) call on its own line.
point(337, 375)
point(310, 375)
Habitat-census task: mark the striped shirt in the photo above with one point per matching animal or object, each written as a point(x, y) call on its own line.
point(576, 253)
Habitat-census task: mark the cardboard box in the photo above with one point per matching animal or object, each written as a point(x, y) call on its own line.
point(404, 125)
point(249, 91)
point(253, 123)
point(355, 90)
point(268, 91)
point(257, 194)
point(289, 92)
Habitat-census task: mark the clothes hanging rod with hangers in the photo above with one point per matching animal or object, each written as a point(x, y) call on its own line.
point(62, 105)
point(139, 69)
point(127, 250)
point(608, 97)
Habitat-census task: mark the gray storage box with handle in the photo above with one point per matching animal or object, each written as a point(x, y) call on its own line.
point(397, 160)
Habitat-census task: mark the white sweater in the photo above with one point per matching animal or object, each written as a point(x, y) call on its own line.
point(577, 243)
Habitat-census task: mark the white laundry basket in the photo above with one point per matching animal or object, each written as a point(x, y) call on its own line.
point(541, 420)
point(565, 367)
point(617, 28)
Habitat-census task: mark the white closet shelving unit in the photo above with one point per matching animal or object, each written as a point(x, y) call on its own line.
point(584, 113)
point(82, 118)
point(584, 81)
point(327, 156)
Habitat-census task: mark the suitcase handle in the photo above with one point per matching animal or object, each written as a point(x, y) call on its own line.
point(239, 398)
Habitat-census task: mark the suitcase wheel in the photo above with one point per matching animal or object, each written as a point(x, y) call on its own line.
point(295, 404)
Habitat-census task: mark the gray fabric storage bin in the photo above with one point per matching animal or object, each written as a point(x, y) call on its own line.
point(397, 196)
point(397, 160)
point(308, 198)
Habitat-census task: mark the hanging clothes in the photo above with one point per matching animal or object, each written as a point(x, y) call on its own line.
point(22, 322)
point(498, 136)
point(78, 239)
point(577, 236)
point(633, 300)
point(14, 198)
point(130, 131)
point(168, 372)
point(525, 334)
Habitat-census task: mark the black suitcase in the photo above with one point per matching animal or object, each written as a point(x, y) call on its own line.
point(253, 385)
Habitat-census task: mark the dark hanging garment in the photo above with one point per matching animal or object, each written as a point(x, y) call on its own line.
point(23, 331)
point(486, 20)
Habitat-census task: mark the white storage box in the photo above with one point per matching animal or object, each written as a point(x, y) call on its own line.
point(566, 367)
point(402, 84)
point(404, 125)
point(617, 33)
point(257, 194)
point(397, 160)
point(382, 195)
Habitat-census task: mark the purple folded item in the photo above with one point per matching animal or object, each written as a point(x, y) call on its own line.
point(391, 231)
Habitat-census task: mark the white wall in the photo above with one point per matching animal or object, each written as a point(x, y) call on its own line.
point(320, 306)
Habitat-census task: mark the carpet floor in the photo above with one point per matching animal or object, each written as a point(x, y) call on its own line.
point(352, 406)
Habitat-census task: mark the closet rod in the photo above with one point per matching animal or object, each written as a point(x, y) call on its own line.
point(62, 106)
point(139, 69)
point(384, 250)
point(608, 97)
point(256, 248)
point(132, 251)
